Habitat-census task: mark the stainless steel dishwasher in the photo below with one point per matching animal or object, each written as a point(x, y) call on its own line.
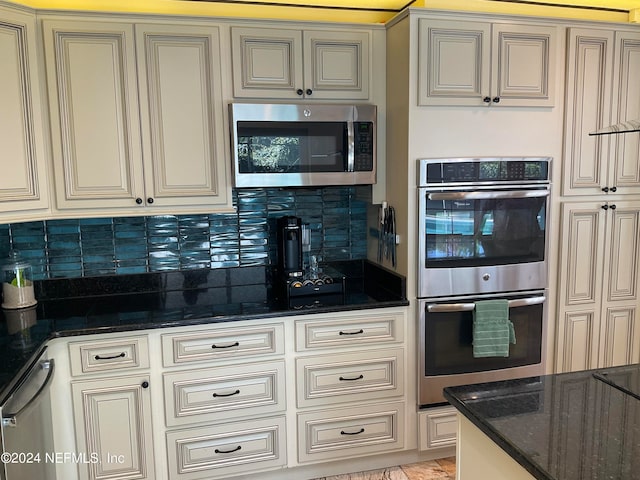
point(27, 436)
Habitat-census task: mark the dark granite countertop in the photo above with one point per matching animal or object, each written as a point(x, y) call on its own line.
point(121, 303)
point(572, 426)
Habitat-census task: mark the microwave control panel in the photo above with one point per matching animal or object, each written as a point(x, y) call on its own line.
point(364, 146)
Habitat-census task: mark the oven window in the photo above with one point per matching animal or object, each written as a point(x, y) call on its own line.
point(291, 147)
point(468, 233)
point(448, 342)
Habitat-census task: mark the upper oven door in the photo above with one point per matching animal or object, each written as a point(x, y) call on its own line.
point(482, 241)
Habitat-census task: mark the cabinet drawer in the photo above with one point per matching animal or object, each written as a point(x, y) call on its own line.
point(227, 392)
point(109, 355)
point(225, 451)
point(376, 328)
point(437, 427)
point(350, 377)
point(226, 342)
point(347, 432)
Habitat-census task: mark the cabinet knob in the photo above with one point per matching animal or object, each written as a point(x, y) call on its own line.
point(605, 207)
point(486, 99)
point(605, 189)
point(614, 189)
point(150, 200)
point(299, 91)
point(144, 384)
point(613, 207)
point(308, 91)
point(139, 201)
point(496, 100)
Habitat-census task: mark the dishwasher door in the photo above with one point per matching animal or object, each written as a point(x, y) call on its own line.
point(27, 436)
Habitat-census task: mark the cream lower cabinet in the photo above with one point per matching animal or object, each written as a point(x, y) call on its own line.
point(112, 407)
point(479, 63)
point(23, 183)
point(289, 63)
point(350, 385)
point(136, 114)
point(598, 311)
point(113, 427)
point(225, 405)
point(437, 428)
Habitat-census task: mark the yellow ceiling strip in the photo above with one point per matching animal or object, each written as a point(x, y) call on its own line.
point(528, 9)
point(284, 11)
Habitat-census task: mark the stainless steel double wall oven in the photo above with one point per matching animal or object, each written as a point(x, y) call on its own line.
point(482, 235)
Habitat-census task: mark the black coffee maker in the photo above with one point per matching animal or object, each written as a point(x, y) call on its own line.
point(289, 237)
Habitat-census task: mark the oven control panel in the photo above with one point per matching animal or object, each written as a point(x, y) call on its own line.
point(484, 170)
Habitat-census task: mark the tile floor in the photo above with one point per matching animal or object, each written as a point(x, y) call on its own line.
point(441, 469)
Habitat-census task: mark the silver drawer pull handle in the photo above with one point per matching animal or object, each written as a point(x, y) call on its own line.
point(236, 344)
point(345, 379)
point(121, 355)
point(352, 333)
point(352, 433)
point(226, 394)
point(217, 450)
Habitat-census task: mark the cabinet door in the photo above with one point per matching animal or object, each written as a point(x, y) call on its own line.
point(588, 108)
point(267, 62)
point(624, 169)
point(336, 64)
point(454, 62)
point(619, 332)
point(23, 181)
point(94, 113)
point(523, 65)
point(184, 142)
point(113, 427)
point(581, 253)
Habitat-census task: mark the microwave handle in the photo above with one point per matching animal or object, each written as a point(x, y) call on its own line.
point(469, 307)
point(487, 195)
point(351, 157)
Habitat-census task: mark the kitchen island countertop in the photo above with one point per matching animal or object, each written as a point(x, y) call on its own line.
point(572, 426)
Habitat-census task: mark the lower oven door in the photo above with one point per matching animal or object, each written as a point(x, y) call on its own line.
point(446, 343)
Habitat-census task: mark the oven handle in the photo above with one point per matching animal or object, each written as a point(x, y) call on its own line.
point(469, 307)
point(487, 195)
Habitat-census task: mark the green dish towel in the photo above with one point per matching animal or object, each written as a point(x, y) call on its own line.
point(492, 329)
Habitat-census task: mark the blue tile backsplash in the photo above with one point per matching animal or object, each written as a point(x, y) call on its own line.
point(123, 245)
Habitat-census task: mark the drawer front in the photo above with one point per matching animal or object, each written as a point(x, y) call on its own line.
point(350, 432)
point(350, 377)
point(226, 342)
point(222, 452)
point(438, 427)
point(224, 392)
point(109, 355)
point(379, 328)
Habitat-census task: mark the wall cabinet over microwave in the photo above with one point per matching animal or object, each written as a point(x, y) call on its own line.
point(288, 63)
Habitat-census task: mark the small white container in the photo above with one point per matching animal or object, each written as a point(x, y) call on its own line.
point(17, 282)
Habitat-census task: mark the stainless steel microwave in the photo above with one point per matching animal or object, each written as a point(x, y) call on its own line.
point(278, 145)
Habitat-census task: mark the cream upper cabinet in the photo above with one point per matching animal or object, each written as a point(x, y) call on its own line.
point(288, 63)
point(23, 183)
point(134, 132)
point(183, 137)
point(479, 63)
point(598, 313)
point(601, 90)
point(95, 122)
